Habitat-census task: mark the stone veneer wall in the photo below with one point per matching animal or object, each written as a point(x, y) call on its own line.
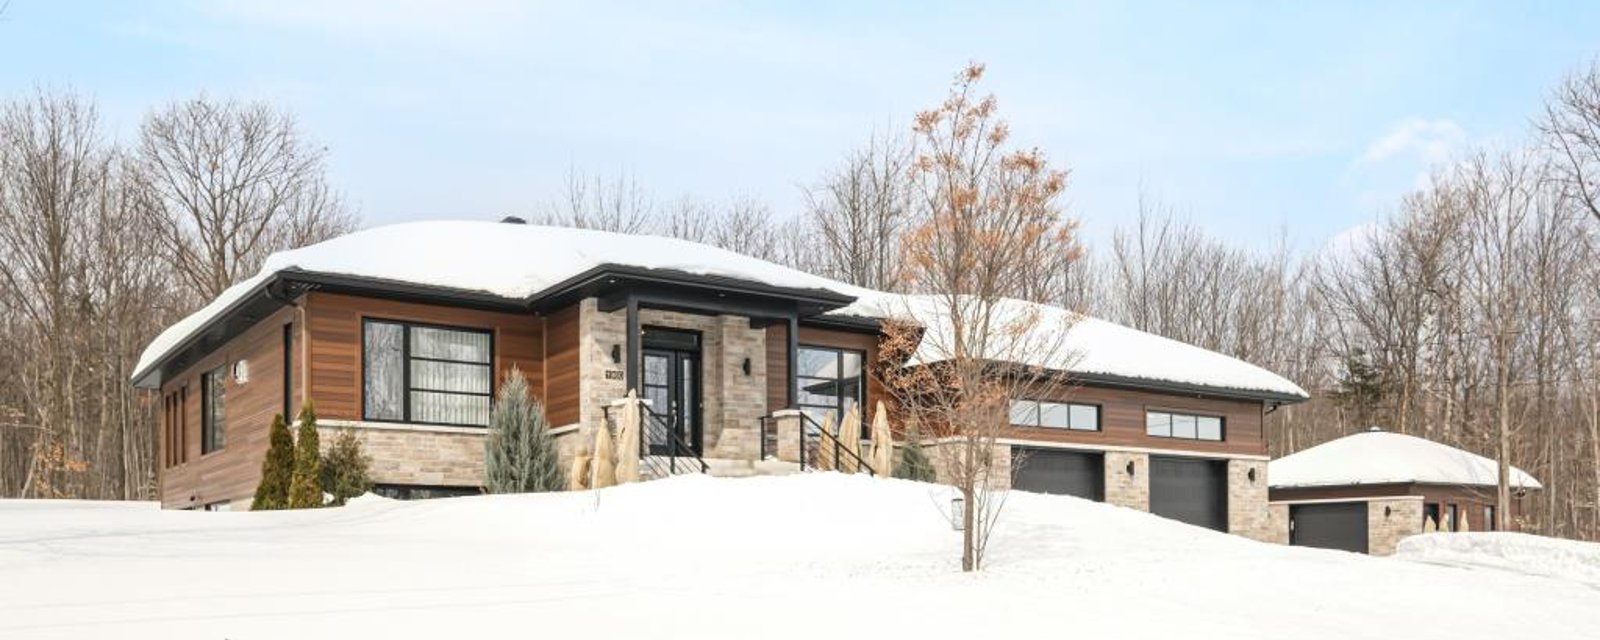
point(1384, 531)
point(1122, 489)
point(942, 453)
point(407, 454)
point(1278, 519)
point(1248, 515)
point(732, 402)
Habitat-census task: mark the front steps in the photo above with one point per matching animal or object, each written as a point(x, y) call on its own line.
point(725, 467)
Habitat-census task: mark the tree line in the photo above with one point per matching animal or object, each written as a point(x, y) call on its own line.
point(104, 242)
point(1469, 315)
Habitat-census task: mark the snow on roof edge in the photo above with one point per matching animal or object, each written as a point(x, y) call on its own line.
point(523, 262)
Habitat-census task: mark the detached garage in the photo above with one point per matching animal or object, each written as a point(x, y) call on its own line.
point(1364, 492)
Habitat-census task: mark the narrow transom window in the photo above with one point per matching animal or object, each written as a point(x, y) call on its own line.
point(1056, 415)
point(1166, 424)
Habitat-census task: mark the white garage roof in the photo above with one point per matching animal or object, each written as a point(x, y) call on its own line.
point(521, 261)
point(1381, 457)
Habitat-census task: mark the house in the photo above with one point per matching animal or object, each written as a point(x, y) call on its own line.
point(401, 333)
point(1365, 491)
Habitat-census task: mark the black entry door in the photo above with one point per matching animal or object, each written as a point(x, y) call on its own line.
point(1331, 525)
point(1070, 473)
point(672, 385)
point(1190, 490)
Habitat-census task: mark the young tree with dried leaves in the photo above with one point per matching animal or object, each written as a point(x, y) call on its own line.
point(957, 355)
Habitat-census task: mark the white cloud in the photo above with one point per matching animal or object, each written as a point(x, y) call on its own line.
point(1432, 141)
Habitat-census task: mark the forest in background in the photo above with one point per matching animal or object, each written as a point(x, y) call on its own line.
point(1469, 314)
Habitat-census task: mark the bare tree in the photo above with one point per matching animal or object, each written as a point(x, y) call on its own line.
point(228, 183)
point(958, 355)
point(1571, 128)
point(860, 211)
point(593, 202)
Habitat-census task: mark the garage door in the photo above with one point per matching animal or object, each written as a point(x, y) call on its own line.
point(1190, 490)
point(1071, 473)
point(1333, 525)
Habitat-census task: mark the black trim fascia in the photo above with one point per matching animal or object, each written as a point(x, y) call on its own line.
point(1179, 388)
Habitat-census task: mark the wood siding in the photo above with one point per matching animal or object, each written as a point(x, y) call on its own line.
point(232, 472)
point(334, 323)
point(1122, 421)
point(561, 366)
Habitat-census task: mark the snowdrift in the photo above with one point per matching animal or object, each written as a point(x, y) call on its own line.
point(1515, 552)
point(788, 557)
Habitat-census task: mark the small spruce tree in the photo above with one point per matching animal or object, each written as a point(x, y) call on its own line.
point(305, 486)
point(276, 470)
point(519, 453)
point(345, 468)
point(914, 465)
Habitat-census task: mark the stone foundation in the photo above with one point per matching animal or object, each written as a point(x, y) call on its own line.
point(413, 455)
point(1248, 515)
point(1389, 520)
point(1124, 489)
point(944, 454)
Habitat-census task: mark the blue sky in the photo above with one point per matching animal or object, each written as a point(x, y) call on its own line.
point(1252, 119)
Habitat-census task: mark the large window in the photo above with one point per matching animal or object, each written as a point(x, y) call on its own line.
point(831, 382)
point(426, 374)
point(1057, 415)
point(1163, 424)
point(213, 409)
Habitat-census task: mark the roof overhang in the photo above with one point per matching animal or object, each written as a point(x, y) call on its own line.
point(1185, 389)
point(287, 285)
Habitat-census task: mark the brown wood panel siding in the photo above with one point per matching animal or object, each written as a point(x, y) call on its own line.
point(778, 360)
point(230, 473)
point(334, 341)
point(1122, 421)
point(1353, 492)
point(561, 366)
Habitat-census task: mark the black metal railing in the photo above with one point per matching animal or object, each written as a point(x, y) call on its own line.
point(815, 440)
point(662, 451)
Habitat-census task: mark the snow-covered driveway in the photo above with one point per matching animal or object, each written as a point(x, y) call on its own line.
point(816, 555)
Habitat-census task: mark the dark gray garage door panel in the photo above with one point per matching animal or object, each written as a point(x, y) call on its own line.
point(1070, 473)
point(1190, 490)
point(1332, 525)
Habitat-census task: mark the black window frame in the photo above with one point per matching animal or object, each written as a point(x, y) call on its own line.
point(1222, 425)
point(861, 397)
point(405, 370)
point(1038, 415)
point(288, 372)
point(213, 428)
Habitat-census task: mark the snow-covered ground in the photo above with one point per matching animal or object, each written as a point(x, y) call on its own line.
point(811, 555)
point(1514, 552)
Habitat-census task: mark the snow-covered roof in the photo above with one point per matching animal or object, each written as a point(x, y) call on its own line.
point(519, 262)
point(1381, 457)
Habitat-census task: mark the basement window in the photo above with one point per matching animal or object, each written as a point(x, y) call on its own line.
point(1166, 424)
point(426, 374)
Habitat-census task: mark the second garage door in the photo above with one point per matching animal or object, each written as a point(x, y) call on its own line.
point(1329, 525)
point(1190, 490)
point(1072, 473)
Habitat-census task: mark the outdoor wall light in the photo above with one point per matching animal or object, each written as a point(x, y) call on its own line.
point(1252, 475)
point(958, 513)
point(616, 353)
point(747, 366)
point(241, 372)
point(1386, 511)
point(1130, 467)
